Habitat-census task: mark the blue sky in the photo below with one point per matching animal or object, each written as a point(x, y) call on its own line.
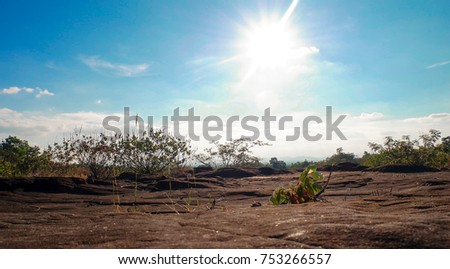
point(386, 59)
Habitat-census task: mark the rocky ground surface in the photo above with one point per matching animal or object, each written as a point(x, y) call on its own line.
point(359, 210)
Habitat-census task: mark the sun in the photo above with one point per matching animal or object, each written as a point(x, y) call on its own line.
point(268, 46)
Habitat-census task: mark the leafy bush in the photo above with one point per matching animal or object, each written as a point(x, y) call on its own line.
point(307, 189)
point(339, 157)
point(275, 163)
point(17, 157)
point(150, 153)
point(235, 153)
point(423, 151)
point(6, 168)
point(95, 153)
point(445, 145)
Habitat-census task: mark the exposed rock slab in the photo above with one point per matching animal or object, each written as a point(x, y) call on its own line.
point(359, 210)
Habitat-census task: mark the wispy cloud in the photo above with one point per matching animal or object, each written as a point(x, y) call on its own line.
point(371, 116)
point(435, 117)
point(16, 90)
point(11, 90)
point(437, 65)
point(43, 93)
point(53, 65)
point(122, 70)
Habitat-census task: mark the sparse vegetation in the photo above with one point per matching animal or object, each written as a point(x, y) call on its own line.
point(94, 153)
point(184, 205)
point(235, 153)
point(427, 151)
point(152, 152)
point(307, 189)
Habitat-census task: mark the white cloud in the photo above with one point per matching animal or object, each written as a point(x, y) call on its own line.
point(371, 116)
point(305, 51)
point(122, 70)
point(432, 118)
point(98, 102)
point(43, 93)
point(44, 129)
point(437, 65)
point(11, 90)
point(16, 90)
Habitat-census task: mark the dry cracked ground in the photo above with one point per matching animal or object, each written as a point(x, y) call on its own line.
point(358, 210)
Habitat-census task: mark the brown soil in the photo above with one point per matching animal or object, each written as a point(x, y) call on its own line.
point(359, 210)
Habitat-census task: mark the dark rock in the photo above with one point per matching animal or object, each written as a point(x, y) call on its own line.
point(267, 171)
point(203, 168)
point(343, 167)
point(403, 168)
point(182, 172)
point(50, 185)
point(145, 177)
point(179, 184)
point(128, 176)
point(228, 173)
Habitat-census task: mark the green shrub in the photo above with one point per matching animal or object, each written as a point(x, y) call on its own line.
point(17, 157)
point(423, 151)
point(152, 152)
point(275, 163)
point(94, 153)
point(6, 168)
point(339, 157)
point(235, 153)
point(307, 189)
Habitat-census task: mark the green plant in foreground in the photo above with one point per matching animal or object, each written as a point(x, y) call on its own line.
point(307, 188)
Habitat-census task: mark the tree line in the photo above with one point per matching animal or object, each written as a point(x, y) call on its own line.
point(155, 152)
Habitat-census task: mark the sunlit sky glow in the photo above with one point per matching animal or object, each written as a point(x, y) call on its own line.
point(385, 64)
point(270, 44)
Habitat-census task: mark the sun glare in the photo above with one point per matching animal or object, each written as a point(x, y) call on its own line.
point(268, 46)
